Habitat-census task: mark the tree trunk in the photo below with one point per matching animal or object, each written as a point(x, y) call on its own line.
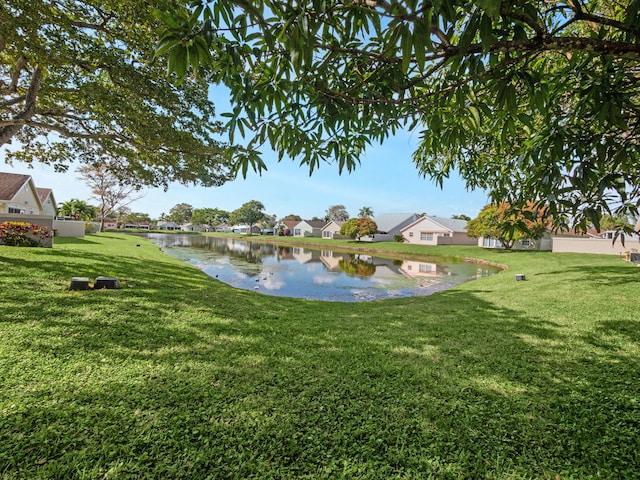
point(29, 110)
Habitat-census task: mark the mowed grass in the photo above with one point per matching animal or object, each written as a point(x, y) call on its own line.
point(178, 376)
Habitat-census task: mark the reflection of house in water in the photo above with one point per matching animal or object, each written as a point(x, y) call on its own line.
point(331, 260)
point(304, 255)
point(425, 273)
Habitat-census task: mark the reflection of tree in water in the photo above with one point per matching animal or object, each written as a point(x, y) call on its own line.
point(355, 267)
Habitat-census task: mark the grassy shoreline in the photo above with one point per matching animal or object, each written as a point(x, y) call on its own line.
point(176, 375)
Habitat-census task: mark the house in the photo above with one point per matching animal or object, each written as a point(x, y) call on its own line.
point(18, 194)
point(286, 227)
point(223, 227)
point(168, 226)
point(309, 228)
point(541, 244)
point(438, 231)
point(390, 225)
point(331, 230)
point(190, 227)
point(49, 206)
point(135, 226)
point(244, 229)
point(110, 223)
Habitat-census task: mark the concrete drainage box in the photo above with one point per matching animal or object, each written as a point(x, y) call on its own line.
point(79, 283)
point(106, 282)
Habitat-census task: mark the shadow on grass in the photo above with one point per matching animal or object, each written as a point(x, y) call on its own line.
point(179, 376)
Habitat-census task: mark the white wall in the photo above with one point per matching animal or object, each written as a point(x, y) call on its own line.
point(594, 245)
point(69, 228)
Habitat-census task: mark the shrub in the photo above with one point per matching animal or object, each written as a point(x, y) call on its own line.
point(23, 234)
point(398, 238)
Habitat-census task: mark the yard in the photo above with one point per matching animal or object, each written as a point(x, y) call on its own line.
point(176, 375)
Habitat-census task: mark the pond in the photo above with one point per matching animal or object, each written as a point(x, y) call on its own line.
point(314, 274)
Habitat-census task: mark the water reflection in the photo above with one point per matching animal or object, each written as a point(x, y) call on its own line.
point(315, 274)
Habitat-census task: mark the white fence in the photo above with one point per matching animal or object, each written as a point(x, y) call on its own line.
point(595, 245)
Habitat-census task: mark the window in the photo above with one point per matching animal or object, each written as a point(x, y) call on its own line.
point(526, 242)
point(426, 267)
point(445, 234)
point(15, 210)
point(411, 234)
point(326, 234)
point(426, 237)
point(296, 232)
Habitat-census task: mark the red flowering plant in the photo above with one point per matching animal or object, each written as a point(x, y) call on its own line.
point(23, 234)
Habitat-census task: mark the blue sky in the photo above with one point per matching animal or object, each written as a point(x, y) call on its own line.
point(386, 181)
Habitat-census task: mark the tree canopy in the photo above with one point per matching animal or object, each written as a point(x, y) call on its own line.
point(249, 213)
point(358, 227)
point(533, 101)
point(180, 213)
point(337, 213)
point(508, 225)
point(107, 189)
point(77, 83)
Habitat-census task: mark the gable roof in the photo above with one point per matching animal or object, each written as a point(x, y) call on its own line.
point(451, 224)
point(43, 193)
point(315, 223)
point(389, 221)
point(338, 223)
point(11, 183)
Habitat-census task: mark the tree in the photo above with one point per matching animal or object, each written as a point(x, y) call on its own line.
point(76, 82)
point(249, 213)
point(136, 217)
point(107, 189)
point(358, 228)
point(533, 101)
point(461, 217)
point(507, 224)
point(291, 216)
point(365, 212)
point(180, 213)
point(337, 213)
point(77, 210)
point(209, 216)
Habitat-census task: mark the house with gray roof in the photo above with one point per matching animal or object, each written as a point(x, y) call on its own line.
point(438, 231)
point(309, 228)
point(389, 225)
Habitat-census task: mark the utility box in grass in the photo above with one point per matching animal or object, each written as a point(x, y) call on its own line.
point(106, 282)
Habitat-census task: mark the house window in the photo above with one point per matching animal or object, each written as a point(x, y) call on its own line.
point(445, 234)
point(296, 232)
point(15, 210)
point(426, 237)
point(426, 267)
point(411, 234)
point(526, 242)
point(326, 234)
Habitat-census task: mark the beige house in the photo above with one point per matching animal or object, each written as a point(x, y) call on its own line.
point(309, 228)
point(18, 194)
point(437, 231)
point(332, 230)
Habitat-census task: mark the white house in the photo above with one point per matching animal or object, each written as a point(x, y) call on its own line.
point(438, 231)
point(18, 194)
point(167, 226)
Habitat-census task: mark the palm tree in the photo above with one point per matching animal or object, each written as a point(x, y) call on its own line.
point(365, 212)
point(77, 209)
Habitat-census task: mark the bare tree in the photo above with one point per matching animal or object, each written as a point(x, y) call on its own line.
point(111, 193)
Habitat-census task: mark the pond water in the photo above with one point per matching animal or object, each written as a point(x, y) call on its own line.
point(308, 273)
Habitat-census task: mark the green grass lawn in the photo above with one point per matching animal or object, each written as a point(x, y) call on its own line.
point(176, 375)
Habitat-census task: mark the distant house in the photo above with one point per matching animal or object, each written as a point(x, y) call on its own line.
point(18, 194)
point(168, 226)
point(135, 226)
point(438, 231)
point(331, 230)
point(110, 223)
point(309, 228)
point(390, 225)
point(223, 227)
point(191, 227)
point(244, 229)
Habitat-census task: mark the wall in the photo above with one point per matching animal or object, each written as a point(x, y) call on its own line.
point(594, 245)
point(42, 220)
point(69, 228)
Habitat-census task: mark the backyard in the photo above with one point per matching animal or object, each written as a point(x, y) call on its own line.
point(176, 375)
